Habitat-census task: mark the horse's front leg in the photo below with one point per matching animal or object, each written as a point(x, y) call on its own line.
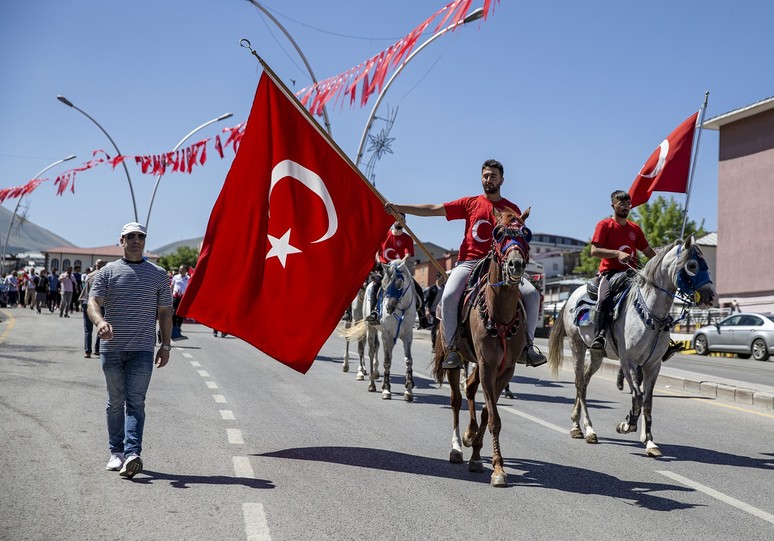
point(646, 436)
point(361, 371)
point(408, 394)
point(345, 366)
point(455, 456)
point(388, 343)
point(471, 387)
point(630, 423)
point(373, 350)
point(588, 372)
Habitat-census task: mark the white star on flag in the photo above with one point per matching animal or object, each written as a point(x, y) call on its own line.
point(281, 248)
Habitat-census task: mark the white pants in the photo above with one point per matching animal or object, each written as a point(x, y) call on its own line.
point(455, 288)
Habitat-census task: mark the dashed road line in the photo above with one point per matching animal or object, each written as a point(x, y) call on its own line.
point(203, 373)
point(256, 527)
point(235, 436)
point(242, 467)
point(211, 384)
point(541, 422)
point(186, 355)
point(747, 508)
point(227, 415)
point(219, 398)
point(195, 363)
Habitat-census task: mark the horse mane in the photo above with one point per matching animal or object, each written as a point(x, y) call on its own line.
point(649, 271)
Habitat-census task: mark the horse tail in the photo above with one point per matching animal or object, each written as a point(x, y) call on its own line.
point(356, 332)
point(439, 352)
point(556, 343)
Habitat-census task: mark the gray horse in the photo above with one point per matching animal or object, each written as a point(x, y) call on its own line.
point(640, 333)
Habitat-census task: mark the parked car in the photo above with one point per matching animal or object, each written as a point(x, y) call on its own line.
point(746, 334)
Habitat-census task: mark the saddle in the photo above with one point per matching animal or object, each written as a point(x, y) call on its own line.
point(471, 299)
point(620, 285)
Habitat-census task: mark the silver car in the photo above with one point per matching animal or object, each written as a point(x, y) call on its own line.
point(746, 334)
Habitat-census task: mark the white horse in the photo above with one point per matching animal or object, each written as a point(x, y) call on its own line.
point(360, 331)
point(398, 311)
point(639, 336)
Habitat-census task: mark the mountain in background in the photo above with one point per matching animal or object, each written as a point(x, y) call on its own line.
point(26, 236)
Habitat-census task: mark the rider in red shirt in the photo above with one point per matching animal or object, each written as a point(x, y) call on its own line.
point(615, 241)
point(479, 223)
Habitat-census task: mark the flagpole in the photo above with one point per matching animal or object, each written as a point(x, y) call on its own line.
point(693, 163)
point(294, 100)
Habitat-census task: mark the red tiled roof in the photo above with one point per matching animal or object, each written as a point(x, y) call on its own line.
point(113, 250)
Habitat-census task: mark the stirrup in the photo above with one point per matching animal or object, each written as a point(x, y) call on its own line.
point(372, 317)
point(452, 361)
point(532, 356)
point(599, 342)
point(673, 348)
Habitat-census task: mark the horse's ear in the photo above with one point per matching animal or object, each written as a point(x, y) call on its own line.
point(526, 214)
point(497, 233)
point(688, 242)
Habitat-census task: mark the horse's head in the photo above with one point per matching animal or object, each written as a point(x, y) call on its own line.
point(395, 283)
point(691, 274)
point(510, 245)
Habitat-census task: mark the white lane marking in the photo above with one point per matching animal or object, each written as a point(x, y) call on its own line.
point(227, 415)
point(541, 422)
point(242, 467)
point(211, 384)
point(235, 436)
point(203, 373)
point(186, 355)
point(219, 398)
point(256, 527)
point(195, 363)
point(747, 508)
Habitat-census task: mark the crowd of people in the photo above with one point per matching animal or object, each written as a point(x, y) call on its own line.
point(38, 289)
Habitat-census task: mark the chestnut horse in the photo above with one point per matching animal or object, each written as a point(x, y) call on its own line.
point(491, 336)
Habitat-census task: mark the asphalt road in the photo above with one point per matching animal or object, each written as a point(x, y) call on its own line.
point(238, 446)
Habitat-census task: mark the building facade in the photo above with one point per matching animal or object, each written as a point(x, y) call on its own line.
point(745, 244)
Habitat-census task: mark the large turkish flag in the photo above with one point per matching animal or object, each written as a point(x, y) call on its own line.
point(668, 167)
point(290, 239)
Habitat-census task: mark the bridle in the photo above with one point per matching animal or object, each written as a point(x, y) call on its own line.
point(506, 238)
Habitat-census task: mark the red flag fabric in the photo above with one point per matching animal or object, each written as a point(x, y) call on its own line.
point(667, 168)
point(291, 238)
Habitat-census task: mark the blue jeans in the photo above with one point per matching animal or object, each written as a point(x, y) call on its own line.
point(128, 374)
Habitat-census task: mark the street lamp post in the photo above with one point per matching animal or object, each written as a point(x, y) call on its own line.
point(177, 146)
point(16, 209)
point(473, 16)
point(126, 169)
point(300, 53)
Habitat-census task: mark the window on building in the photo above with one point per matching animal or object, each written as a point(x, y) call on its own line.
point(77, 263)
point(65, 264)
point(55, 263)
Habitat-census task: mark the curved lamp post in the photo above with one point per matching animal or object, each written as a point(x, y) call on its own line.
point(126, 170)
point(177, 146)
point(301, 54)
point(16, 209)
point(473, 16)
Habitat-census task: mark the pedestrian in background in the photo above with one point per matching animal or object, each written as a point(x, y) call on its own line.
point(41, 289)
point(68, 287)
point(179, 284)
point(88, 326)
point(134, 294)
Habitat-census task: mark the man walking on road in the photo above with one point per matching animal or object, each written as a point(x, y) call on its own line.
point(134, 293)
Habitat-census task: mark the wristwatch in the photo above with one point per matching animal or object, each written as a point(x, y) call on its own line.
point(167, 347)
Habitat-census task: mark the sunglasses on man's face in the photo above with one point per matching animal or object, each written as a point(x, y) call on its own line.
point(132, 236)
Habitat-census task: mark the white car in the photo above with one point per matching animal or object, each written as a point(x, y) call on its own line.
point(746, 334)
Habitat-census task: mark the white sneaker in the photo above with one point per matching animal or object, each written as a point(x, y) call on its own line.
point(115, 462)
point(131, 467)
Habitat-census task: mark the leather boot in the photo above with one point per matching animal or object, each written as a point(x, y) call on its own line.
point(673, 348)
point(600, 326)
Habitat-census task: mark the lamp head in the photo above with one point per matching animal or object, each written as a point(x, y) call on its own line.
point(65, 101)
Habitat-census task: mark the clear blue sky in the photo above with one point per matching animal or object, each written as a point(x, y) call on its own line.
point(571, 96)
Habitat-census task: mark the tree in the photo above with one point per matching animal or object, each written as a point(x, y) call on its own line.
point(660, 220)
point(184, 255)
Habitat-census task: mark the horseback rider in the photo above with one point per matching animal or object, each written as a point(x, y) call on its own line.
point(397, 245)
point(477, 211)
point(615, 242)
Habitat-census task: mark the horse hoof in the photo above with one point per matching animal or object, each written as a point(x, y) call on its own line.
point(591, 438)
point(372, 388)
point(576, 433)
point(360, 377)
point(625, 428)
point(652, 450)
point(345, 368)
point(499, 480)
point(386, 395)
point(475, 466)
point(408, 397)
point(455, 457)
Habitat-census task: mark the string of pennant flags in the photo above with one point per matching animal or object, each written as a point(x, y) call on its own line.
point(369, 76)
point(180, 161)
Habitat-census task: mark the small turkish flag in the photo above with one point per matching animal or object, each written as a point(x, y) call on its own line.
point(290, 239)
point(668, 167)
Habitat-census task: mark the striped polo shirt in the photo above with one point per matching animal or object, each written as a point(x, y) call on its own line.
point(132, 293)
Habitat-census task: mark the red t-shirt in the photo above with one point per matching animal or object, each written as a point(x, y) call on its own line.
point(395, 247)
point(627, 238)
point(479, 223)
